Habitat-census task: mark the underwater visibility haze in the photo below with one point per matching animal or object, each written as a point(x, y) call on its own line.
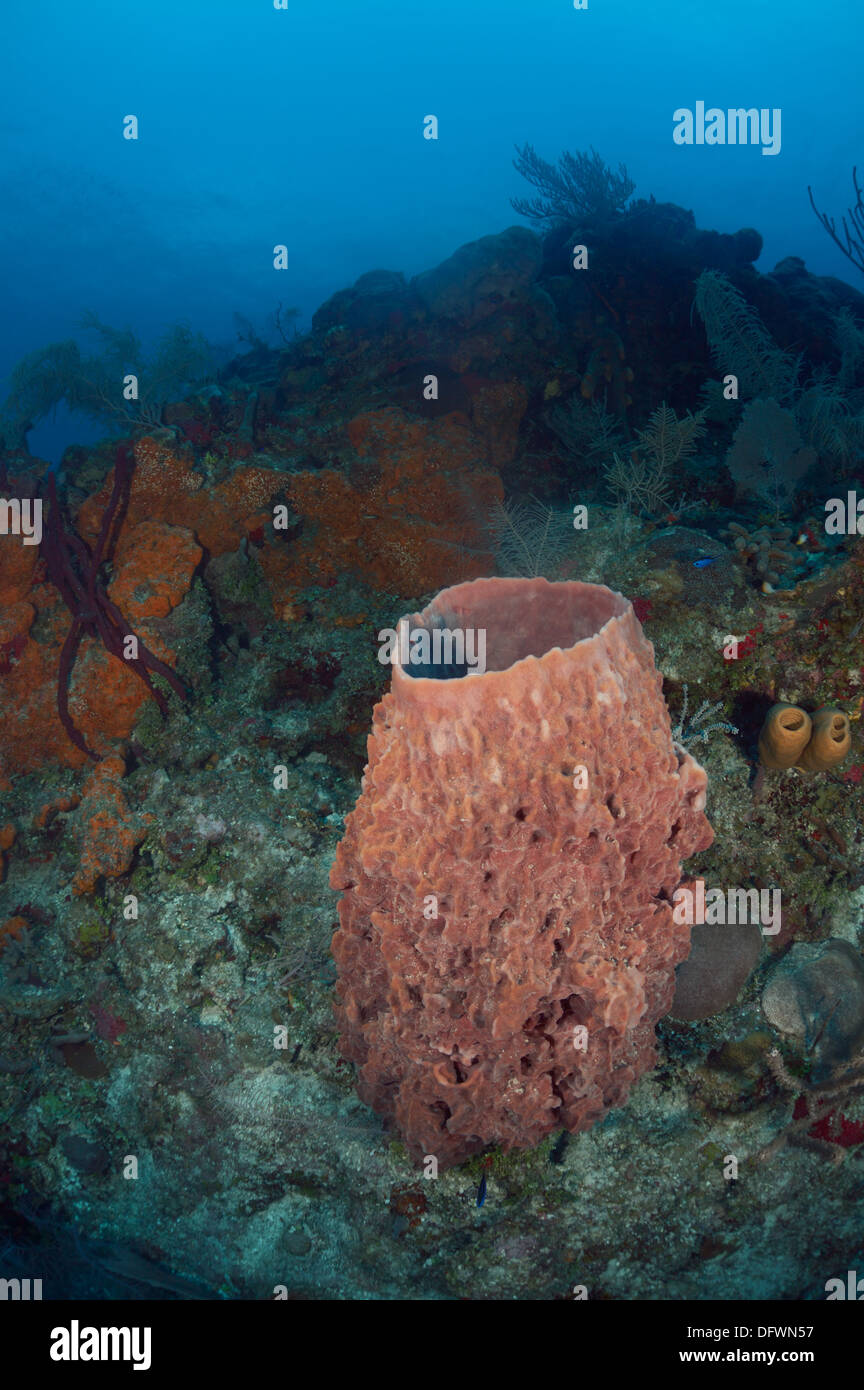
point(432, 652)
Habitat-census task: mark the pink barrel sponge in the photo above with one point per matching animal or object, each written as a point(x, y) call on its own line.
point(506, 942)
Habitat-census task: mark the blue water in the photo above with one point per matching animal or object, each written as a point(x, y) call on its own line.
point(303, 126)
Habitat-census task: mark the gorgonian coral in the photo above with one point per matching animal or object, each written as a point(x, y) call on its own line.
point(75, 571)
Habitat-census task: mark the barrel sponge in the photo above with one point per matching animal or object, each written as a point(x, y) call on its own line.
point(506, 942)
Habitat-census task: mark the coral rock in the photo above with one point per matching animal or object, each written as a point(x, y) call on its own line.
point(13, 929)
point(109, 831)
point(716, 970)
point(153, 569)
point(7, 840)
point(607, 376)
point(407, 519)
point(166, 488)
point(492, 909)
point(480, 276)
point(816, 993)
point(155, 563)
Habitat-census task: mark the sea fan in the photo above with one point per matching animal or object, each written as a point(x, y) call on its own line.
point(768, 457)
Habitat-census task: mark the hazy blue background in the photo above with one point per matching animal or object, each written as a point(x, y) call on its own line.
point(304, 126)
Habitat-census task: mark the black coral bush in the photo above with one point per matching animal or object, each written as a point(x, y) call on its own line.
point(580, 188)
point(98, 385)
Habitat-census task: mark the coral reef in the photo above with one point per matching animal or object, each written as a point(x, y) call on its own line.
point(78, 688)
point(109, 832)
point(410, 517)
point(386, 438)
point(472, 283)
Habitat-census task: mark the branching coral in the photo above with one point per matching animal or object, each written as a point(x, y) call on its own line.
point(639, 485)
point(695, 729)
point(739, 341)
point(852, 241)
point(821, 1102)
point(586, 429)
point(96, 385)
point(849, 337)
point(74, 570)
point(670, 439)
point(581, 188)
point(823, 414)
point(642, 484)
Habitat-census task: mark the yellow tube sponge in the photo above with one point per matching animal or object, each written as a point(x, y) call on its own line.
point(784, 737)
point(830, 741)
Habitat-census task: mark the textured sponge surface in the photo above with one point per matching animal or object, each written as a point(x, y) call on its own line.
point(506, 942)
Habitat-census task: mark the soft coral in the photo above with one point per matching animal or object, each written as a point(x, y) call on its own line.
point(74, 570)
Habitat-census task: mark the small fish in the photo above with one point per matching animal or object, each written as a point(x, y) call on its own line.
point(706, 560)
point(481, 1191)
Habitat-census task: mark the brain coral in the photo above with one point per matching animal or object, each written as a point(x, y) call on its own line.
point(506, 943)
